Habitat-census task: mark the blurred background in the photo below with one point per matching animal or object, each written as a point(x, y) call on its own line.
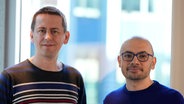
point(98, 28)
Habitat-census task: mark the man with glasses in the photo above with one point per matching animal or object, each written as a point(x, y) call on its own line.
point(136, 60)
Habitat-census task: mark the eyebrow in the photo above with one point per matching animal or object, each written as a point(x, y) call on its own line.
point(55, 28)
point(46, 28)
point(135, 53)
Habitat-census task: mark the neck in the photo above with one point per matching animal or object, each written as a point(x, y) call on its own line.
point(136, 85)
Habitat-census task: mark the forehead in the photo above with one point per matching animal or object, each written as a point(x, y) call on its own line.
point(137, 45)
point(48, 20)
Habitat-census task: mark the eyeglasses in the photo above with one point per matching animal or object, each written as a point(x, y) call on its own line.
point(141, 56)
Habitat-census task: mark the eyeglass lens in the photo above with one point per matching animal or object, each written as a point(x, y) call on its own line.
point(141, 56)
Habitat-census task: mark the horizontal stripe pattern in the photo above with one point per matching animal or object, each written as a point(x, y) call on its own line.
point(40, 92)
point(25, 83)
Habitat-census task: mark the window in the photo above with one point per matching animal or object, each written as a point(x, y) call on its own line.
point(87, 8)
point(137, 5)
point(131, 5)
point(88, 3)
point(122, 19)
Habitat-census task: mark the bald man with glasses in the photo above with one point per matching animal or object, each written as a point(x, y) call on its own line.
point(136, 61)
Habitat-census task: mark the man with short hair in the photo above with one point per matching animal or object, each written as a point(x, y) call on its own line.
point(41, 79)
point(136, 60)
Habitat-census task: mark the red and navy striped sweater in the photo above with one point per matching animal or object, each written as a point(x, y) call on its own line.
point(25, 83)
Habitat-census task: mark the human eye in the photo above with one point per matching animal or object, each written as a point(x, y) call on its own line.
point(55, 32)
point(142, 56)
point(41, 31)
point(127, 55)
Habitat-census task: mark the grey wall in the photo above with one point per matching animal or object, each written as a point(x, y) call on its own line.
point(7, 32)
point(2, 32)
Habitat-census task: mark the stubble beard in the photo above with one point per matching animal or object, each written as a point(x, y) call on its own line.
point(135, 76)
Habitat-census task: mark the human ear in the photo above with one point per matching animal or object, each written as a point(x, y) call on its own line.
point(31, 37)
point(153, 63)
point(67, 36)
point(119, 60)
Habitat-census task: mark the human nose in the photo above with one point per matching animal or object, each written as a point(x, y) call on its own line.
point(48, 35)
point(135, 59)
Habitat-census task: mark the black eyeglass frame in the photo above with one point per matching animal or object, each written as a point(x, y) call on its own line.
point(136, 56)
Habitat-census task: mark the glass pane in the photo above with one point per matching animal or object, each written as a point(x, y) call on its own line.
point(131, 5)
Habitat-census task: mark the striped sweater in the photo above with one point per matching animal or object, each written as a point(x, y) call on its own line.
point(25, 83)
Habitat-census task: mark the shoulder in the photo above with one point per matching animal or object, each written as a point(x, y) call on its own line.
point(70, 69)
point(173, 94)
point(165, 89)
point(117, 91)
point(72, 72)
point(170, 93)
point(17, 68)
point(112, 96)
point(11, 71)
point(22, 65)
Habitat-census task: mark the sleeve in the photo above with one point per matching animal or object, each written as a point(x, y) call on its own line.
point(78, 80)
point(82, 94)
point(5, 88)
point(182, 100)
point(179, 98)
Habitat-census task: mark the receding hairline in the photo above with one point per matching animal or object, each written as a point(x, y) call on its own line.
point(137, 38)
point(50, 10)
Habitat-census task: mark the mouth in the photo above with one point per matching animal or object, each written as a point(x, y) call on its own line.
point(134, 69)
point(48, 45)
